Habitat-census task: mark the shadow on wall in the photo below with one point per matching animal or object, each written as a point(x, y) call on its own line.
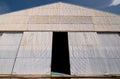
point(7, 6)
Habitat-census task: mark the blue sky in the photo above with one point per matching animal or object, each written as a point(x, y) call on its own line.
point(7, 6)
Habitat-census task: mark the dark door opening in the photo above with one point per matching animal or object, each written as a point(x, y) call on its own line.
point(60, 53)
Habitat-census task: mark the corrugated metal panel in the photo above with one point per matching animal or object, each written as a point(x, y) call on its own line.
point(32, 66)
point(9, 44)
point(61, 27)
point(36, 44)
point(34, 55)
point(84, 54)
point(92, 53)
point(107, 27)
point(79, 66)
point(73, 10)
point(13, 19)
point(13, 27)
point(110, 44)
point(106, 20)
point(98, 65)
point(60, 13)
point(109, 39)
point(88, 66)
point(111, 50)
point(84, 44)
point(8, 52)
point(60, 20)
point(113, 65)
point(44, 12)
point(6, 66)
point(10, 39)
point(100, 13)
point(76, 12)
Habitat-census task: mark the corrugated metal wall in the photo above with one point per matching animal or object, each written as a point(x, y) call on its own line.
point(94, 41)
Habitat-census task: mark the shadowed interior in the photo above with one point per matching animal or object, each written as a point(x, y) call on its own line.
point(60, 53)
